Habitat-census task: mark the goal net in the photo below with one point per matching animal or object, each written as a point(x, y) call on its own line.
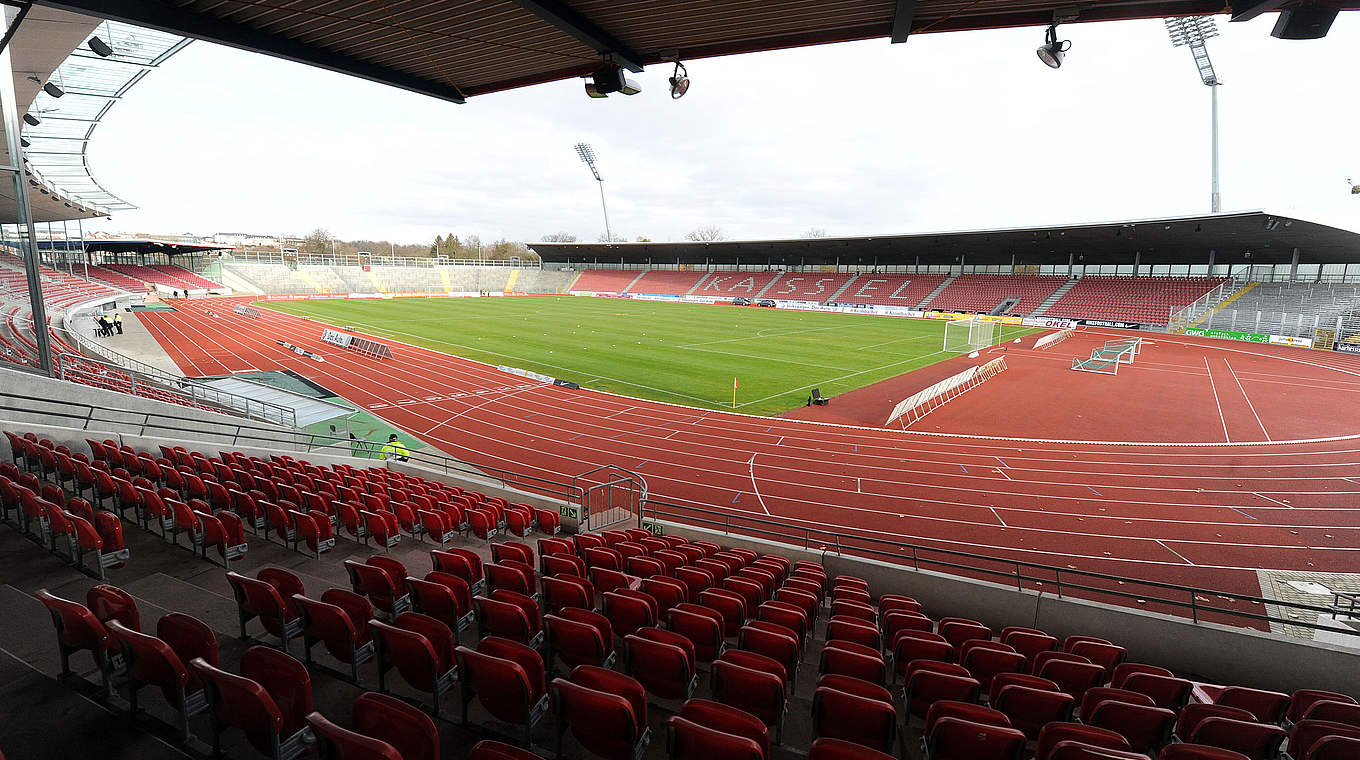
point(964, 335)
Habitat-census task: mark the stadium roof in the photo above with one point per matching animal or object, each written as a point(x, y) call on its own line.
point(1249, 237)
point(455, 49)
point(49, 46)
point(143, 245)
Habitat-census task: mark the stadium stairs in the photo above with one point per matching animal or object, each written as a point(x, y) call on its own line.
point(715, 645)
point(1059, 293)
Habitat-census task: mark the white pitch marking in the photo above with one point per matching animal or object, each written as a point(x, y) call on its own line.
point(1248, 398)
point(998, 517)
point(1277, 501)
point(1214, 388)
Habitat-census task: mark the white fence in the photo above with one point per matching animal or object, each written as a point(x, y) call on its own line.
point(923, 402)
point(1052, 339)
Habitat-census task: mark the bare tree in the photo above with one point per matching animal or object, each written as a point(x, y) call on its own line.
point(605, 238)
point(815, 232)
point(318, 240)
point(706, 234)
point(559, 237)
point(643, 239)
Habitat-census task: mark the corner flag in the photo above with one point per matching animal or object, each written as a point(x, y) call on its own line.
point(734, 393)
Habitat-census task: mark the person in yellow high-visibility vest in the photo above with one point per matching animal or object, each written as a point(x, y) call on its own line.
point(394, 450)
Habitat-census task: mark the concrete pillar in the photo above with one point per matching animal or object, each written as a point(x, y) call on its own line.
point(1070, 259)
point(1137, 261)
point(1294, 266)
point(963, 259)
point(1012, 265)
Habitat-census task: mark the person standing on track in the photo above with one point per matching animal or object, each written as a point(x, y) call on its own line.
point(394, 450)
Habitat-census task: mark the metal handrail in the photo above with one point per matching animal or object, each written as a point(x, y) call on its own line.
point(1018, 573)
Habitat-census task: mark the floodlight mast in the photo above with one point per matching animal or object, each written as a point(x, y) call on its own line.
point(1192, 32)
point(587, 155)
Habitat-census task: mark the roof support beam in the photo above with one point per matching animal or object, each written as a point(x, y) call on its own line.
point(902, 18)
point(167, 17)
point(1246, 10)
point(583, 30)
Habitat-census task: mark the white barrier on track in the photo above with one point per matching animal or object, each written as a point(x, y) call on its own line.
point(923, 402)
point(1052, 339)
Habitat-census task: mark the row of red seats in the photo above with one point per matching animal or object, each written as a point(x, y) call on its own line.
point(69, 527)
point(1034, 688)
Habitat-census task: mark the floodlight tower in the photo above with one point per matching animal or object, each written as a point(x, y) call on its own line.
point(587, 155)
point(1192, 32)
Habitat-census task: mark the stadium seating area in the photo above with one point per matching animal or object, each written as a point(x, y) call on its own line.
point(666, 282)
point(589, 635)
point(807, 286)
point(604, 280)
point(891, 289)
point(170, 276)
point(983, 292)
point(1283, 308)
point(117, 279)
point(1147, 300)
point(734, 284)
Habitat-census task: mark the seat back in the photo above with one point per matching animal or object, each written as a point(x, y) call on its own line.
point(403, 726)
point(841, 715)
point(958, 738)
point(1258, 741)
point(606, 711)
point(661, 666)
point(1146, 728)
point(502, 684)
point(243, 703)
point(688, 740)
point(337, 742)
point(757, 692)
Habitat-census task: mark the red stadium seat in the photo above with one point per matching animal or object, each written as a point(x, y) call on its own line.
point(378, 585)
point(507, 678)
point(153, 662)
point(729, 720)
point(630, 610)
point(841, 715)
point(1258, 741)
point(511, 615)
point(1053, 734)
point(488, 749)
point(464, 563)
point(1146, 728)
point(662, 661)
point(421, 649)
point(1301, 700)
point(269, 701)
point(929, 681)
point(839, 749)
point(1265, 706)
point(256, 597)
point(1198, 752)
point(404, 727)
point(959, 739)
point(580, 637)
point(1030, 709)
point(347, 640)
point(701, 625)
point(844, 658)
point(758, 692)
point(334, 741)
point(604, 710)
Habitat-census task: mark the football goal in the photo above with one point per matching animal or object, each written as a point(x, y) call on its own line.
point(964, 335)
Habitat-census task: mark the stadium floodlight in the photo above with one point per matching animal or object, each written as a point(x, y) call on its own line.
point(1053, 50)
point(610, 78)
point(1192, 32)
point(587, 155)
point(679, 81)
point(100, 47)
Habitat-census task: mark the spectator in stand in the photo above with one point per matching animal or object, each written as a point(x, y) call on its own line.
point(118, 322)
point(394, 450)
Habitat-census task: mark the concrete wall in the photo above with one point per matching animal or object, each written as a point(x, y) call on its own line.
point(1201, 651)
point(33, 399)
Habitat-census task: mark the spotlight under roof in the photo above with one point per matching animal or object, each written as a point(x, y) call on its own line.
point(1053, 51)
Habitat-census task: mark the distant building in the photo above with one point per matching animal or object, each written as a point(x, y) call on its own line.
point(239, 239)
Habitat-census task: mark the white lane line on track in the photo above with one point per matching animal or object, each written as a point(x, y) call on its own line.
point(1277, 501)
point(756, 487)
point(1173, 551)
point(1248, 398)
point(1001, 472)
point(1214, 388)
point(998, 518)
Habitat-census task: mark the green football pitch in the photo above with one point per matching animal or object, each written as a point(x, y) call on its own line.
point(675, 352)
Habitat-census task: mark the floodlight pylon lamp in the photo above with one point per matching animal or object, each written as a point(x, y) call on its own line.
point(1053, 50)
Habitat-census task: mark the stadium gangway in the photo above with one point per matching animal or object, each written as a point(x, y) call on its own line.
point(1194, 602)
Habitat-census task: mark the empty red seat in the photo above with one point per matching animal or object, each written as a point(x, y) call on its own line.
point(929, 681)
point(662, 661)
point(421, 648)
point(854, 660)
point(1258, 741)
point(442, 596)
point(778, 645)
point(511, 615)
point(335, 741)
point(839, 749)
point(256, 597)
point(1075, 750)
point(729, 720)
point(958, 739)
point(1146, 728)
point(1165, 691)
point(860, 719)
point(580, 637)
point(605, 711)
point(464, 563)
point(347, 639)
point(1307, 736)
point(1030, 709)
point(958, 630)
point(1301, 700)
point(1336, 747)
point(1072, 677)
point(630, 610)
point(379, 586)
point(507, 678)
point(761, 693)
point(153, 662)
point(1053, 734)
point(1198, 752)
point(1335, 711)
point(269, 701)
point(1265, 706)
point(701, 625)
point(984, 663)
point(567, 591)
point(511, 575)
point(1095, 696)
point(402, 726)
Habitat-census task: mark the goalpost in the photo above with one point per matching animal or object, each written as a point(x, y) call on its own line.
point(965, 335)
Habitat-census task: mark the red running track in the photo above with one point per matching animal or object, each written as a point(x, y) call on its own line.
point(1206, 515)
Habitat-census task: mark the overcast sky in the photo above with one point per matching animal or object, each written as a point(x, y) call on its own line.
point(948, 131)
